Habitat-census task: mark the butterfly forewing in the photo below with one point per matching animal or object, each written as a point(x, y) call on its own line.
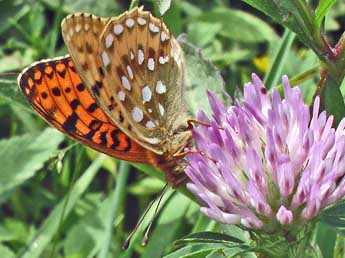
point(57, 93)
point(137, 74)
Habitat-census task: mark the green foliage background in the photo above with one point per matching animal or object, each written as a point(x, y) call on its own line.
point(61, 199)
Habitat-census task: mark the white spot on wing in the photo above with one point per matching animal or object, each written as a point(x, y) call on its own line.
point(86, 26)
point(140, 57)
point(150, 124)
point(147, 94)
point(161, 109)
point(164, 36)
point(153, 140)
point(153, 27)
point(150, 110)
point(151, 64)
point(130, 72)
point(137, 114)
point(77, 27)
point(141, 21)
point(175, 55)
point(105, 59)
point(125, 83)
point(121, 95)
point(130, 23)
point(109, 40)
point(118, 29)
point(161, 87)
point(132, 55)
point(161, 60)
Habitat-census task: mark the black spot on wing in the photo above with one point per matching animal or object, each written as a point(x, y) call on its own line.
point(74, 103)
point(56, 91)
point(129, 144)
point(103, 138)
point(115, 139)
point(80, 87)
point(92, 108)
point(70, 123)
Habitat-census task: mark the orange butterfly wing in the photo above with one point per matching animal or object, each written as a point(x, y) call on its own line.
point(55, 90)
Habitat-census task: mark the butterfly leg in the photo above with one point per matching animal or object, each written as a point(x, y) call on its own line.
point(190, 123)
point(176, 179)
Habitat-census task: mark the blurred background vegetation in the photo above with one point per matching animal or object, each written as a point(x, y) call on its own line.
point(58, 197)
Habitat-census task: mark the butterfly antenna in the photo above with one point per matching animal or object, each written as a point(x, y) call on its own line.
point(148, 229)
point(129, 238)
point(9, 74)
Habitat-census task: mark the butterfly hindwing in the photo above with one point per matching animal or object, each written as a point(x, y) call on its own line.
point(57, 93)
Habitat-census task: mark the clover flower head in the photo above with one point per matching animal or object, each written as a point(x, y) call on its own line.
point(266, 160)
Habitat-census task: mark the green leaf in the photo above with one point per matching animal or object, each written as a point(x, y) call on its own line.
point(107, 8)
point(88, 235)
point(10, 91)
point(198, 249)
point(321, 11)
point(164, 6)
point(22, 156)
point(11, 10)
point(15, 61)
point(296, 16)
point(209, 237)
point(191, 10)
point(146, 186)
point(173, 19)
point(6, 252)
point(200, 75)
point(334, 217)
point(150, 170)
point(18, 229)
point(6, 234)
point(25, 116)
point(155, 172)
point(219, 253)
point(239, 25)
point(204, 253)
point(270, 8)
point(326, 237)
point(45, 233)
point(338, 247)
point(235, 231)
point(203, 33)
point(333, 100)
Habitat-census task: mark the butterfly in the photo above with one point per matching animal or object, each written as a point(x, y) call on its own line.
point(118, 91)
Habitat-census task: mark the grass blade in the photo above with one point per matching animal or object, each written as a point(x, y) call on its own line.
point(116, 200)
point(279, 58)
